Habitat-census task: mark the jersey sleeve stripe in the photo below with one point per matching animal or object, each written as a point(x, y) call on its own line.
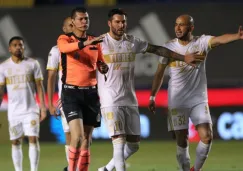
point(38, 79)
point(209, 43)
point(50, 68)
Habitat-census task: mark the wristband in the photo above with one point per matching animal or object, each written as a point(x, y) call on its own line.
point(81, 45)
point(152, 98)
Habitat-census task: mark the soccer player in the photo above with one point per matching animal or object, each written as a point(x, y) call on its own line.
point(54, 66)
point(187, 91)
point(80, 53)
point(21, 75)
point(119, 105)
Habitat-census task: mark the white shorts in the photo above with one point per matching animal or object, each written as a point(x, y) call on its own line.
point(28, 125)
point(65, 125)
point(121, 120)
point(178, 118)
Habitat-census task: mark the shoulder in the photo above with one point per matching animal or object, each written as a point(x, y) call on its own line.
point(5, 61)
point(204, 36)
point(130, 38)
point(171, 43)
point(54, 49)
point(30, 60)
point(65, 36)
point(4, 64)
point(133, 39)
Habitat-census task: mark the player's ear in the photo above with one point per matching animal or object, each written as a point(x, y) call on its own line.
point(192, 28)
point(109, 23)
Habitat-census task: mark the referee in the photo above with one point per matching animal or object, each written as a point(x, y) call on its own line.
point(80, 57)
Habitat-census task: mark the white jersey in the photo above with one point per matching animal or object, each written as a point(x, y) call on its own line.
point(54, 63)
point(20, 81)
point(119, 88)
point(187, 85)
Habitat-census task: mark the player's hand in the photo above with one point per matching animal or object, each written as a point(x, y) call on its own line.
point(94, 41)
point(152, 106)
point(52, 110)
point(102, 67)
point(193, 58)
point(42, 114)
point(240, 32)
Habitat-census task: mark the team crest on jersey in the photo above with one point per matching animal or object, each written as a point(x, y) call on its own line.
point(28, 68)
point(33, 122)
point(49, 54)
point(9, 71)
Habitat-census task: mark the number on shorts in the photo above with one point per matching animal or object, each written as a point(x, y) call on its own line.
point(118, 126)
point(181, 120)
point(14, 131)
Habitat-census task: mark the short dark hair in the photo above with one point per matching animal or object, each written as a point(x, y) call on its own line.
point(115, 11)
point(77, 9)
point(15, 38)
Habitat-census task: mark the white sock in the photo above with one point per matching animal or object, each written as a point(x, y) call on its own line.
point(201, 154)
point(129, 149)
point(67, 151)
point(118, 154)
point(17, 156)
point(183, 158)
point(34, 153)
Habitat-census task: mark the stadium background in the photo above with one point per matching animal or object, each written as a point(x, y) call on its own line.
point(40, 22)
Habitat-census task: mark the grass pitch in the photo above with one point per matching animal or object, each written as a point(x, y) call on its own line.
point(152, 156)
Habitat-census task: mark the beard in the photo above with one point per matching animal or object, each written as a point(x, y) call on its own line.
point(118, 33)
point(18, 54)
point(182, 36)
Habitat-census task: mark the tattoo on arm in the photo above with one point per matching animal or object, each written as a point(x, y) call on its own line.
point(162, 51)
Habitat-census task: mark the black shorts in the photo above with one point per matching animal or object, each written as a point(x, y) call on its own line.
point(81, 103)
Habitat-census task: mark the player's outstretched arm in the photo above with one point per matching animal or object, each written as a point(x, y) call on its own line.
point(1, 93)
point(52, 74)
point(190, 59)
point(157, 82)
point(226, 38)
point(66, 47)
point(41, 92)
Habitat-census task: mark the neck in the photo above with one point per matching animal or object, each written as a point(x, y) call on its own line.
point(115, 36)
point(17, 59)
point(186, 40)
point(80, 34)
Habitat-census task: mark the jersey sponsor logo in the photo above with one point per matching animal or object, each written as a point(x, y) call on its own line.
point(69, 87)
point(17, 79)
point(120, 57)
